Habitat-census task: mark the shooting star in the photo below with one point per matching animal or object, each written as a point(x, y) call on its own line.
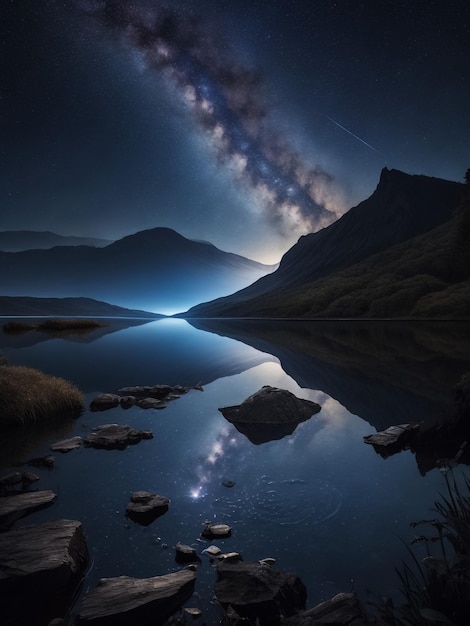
point(352, 134)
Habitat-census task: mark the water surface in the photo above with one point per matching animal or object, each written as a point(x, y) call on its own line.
point(319, 501)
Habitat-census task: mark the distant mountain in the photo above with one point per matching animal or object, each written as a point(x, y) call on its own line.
point(350, 267)
point(31, 307)
point(154, 270)
point(18, 240)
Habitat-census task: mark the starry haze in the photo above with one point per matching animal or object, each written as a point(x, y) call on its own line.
point(243, 123)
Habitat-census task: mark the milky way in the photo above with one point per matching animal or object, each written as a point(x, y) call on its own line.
point(228, 102)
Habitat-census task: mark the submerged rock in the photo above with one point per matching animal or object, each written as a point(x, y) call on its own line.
point(66, 445)
point(115, 436)
point(259, 592)
point(42, 461)
point(11, 481)
point(40, 567)
point(126, 601)
point(14, 507)
point(344, 609)
point(269, 414)
point(146, 506)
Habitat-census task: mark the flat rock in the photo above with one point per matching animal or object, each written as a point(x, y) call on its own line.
point(259, 592)
point(66, 445)
point(115, 436)
point(344, 609)
point(185, 553)
point(393, 439)
point(40, 565)
point(269, 414)
point(150, 403)
point(146, 506)
point(126, 601)
point(14, 507)
point(216, 531)
point(104, 402)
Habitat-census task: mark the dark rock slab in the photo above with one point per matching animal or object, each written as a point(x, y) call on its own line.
point(259, 592)
point(344, 609)
point(14, 507)
point(115, 436)
point(393, 439)
point(146, 506)
point(160, 392)
point(40, 567)
point(126, 601)
point(185, 554)
point(104, 402)
point(269, 414)
point(66, 445)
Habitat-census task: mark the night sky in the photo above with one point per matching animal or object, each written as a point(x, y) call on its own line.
point(246, 123)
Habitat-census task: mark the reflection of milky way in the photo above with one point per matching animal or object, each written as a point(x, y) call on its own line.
point(285, 502)
point(228, 102)
point(224, 444)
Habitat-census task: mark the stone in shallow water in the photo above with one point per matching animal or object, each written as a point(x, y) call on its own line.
point(39, 566)
point(344, 609)
point(259, 592)
point(14, 507)
point(269, 414)
point(146, 506)
point(393, 439)
point(115, 436)
point(185, 554)
point(213, 531)
point(104, 402)
point(66, 445)
point(125, 601)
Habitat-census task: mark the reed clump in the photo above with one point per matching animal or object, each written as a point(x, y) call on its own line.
point(29, 396)
point(437, 589)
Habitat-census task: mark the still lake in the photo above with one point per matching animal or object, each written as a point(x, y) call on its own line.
point(319, 500)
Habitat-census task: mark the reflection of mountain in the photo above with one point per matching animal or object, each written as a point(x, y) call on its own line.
point(164, 351)
point(387, 373)
point(88, 335)
point(152, 270)
point(370, 262)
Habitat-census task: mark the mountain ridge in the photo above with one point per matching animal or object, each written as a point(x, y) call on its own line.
point(401, 208)
point(151, 270)
point(21, 240)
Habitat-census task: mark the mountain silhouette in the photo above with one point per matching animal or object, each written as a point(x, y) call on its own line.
point(151, 270)
point(402, 207)
point(19, 240)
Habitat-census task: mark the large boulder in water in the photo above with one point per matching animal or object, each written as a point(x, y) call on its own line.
point(344, 609)
point(258, 591)
point(269, 414)
point(125, 601)
point(40, 568)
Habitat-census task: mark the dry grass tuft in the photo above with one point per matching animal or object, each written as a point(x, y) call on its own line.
point(28, 395)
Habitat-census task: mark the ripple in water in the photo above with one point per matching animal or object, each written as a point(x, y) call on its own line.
point(285, 503)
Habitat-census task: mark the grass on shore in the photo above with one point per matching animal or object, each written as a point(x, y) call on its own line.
point(52, 324)
point(437, 590)
point(28, 396)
